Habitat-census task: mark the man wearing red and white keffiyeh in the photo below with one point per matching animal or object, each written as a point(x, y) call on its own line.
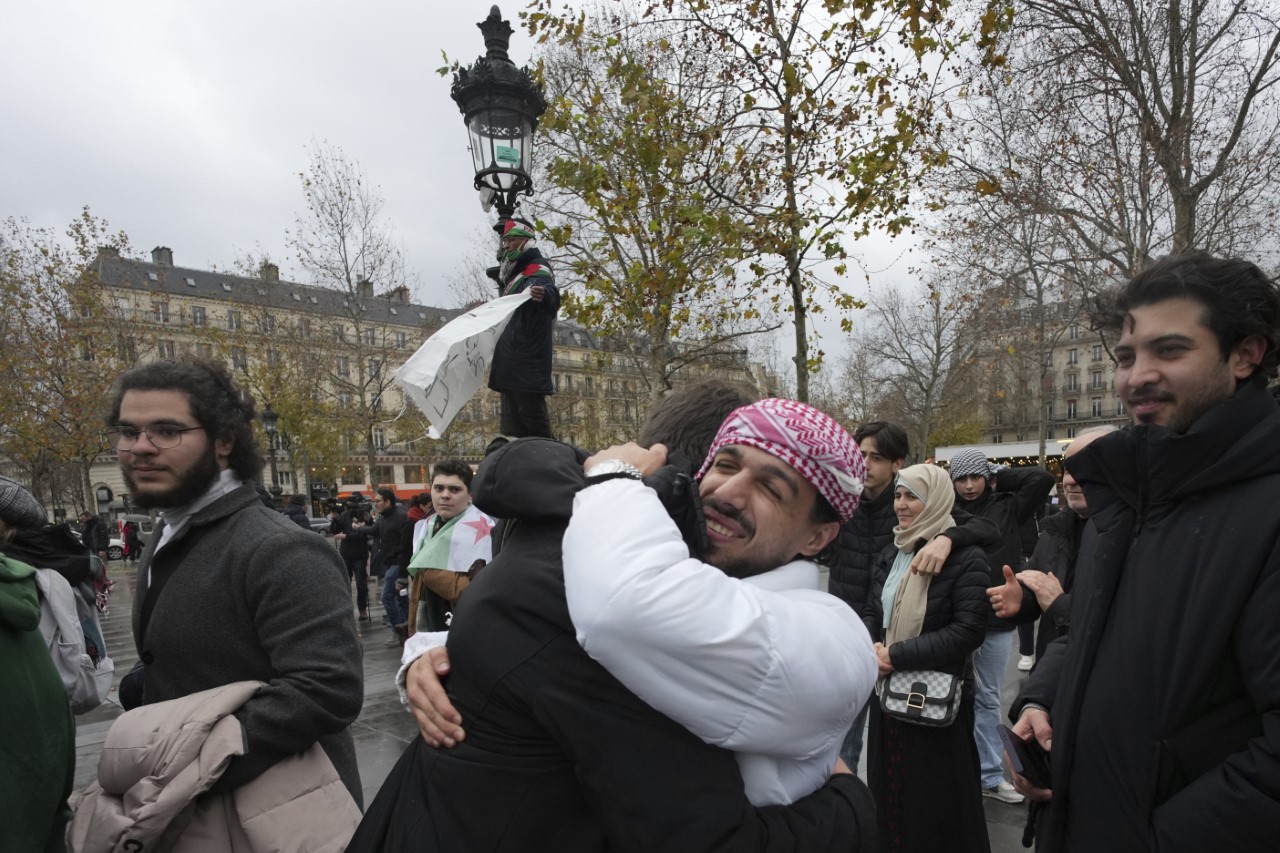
point(742, 649)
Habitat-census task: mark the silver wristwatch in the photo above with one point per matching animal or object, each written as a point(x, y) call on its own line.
point(615, 467)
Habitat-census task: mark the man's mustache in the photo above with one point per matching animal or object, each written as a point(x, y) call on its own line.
point(731, 513)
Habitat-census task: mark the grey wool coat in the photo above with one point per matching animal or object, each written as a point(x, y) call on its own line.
point(243, 594)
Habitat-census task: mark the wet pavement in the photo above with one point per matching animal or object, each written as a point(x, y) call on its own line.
point(384, 727)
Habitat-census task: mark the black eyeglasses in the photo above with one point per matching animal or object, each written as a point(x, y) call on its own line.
point(161, 436)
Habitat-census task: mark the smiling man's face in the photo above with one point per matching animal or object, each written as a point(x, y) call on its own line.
point(759, 512)
point(1169, 367)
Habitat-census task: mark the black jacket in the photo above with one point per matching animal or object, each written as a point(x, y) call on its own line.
point(386, 536)
point(559, 756)
point(1018, 495)
point(351, 547)
point(955, 616)
point(298, 516)
point(1055, 552)
point(1160, 694)
point(863, 538)
point(522, 357)
point(94, 534)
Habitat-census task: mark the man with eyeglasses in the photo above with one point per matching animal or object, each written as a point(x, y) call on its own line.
point(228, 590)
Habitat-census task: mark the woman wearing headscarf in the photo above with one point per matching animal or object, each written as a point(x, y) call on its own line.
point(924, 778)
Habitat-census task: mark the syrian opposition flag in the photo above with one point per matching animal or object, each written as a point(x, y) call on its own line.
point(462, 540)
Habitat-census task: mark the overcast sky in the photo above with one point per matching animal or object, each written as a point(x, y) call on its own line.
point(186, 124)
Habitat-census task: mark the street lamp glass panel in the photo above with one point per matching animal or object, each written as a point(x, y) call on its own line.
point(500, 144)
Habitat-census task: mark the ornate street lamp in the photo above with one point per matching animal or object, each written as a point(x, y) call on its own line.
point(269, 420)
point(501, 105)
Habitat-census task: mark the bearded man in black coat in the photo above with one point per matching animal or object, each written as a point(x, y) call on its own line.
point(1161, 708)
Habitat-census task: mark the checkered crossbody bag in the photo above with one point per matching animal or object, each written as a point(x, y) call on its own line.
point(924, 697)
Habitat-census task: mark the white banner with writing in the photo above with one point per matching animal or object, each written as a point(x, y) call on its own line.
point(450, 366)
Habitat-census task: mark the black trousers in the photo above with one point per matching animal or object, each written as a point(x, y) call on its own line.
point(524, 415)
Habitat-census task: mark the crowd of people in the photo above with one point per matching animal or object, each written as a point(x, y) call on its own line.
point(628, 649)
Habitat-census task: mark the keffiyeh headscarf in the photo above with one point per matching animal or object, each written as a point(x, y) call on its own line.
point(970, 461)
point(804, 438)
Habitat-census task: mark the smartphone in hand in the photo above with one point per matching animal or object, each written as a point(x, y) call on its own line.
point(1027, 757)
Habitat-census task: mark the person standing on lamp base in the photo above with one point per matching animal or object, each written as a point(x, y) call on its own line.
point(521, 369)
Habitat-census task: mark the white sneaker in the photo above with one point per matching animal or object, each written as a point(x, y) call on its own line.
point(1004, 792)
point(1025, 662)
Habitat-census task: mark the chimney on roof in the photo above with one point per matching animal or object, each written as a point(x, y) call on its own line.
point(111, 251)
point(269, 272)
point(162, 256)
point(398, 294)
point(364, 288)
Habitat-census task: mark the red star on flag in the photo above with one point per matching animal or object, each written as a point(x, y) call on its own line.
point(481, 526)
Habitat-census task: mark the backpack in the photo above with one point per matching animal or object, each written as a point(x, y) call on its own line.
point(86, 680)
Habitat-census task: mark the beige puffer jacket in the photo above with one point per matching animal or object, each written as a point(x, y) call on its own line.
point(159, 759)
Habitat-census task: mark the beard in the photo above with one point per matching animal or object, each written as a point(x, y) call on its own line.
point(192, 483)
point(505, 269)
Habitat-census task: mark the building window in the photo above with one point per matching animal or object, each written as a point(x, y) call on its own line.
point(402, 340)
point(273, 358)
point(284, 479)
point(267, 323)
point(1072, 356)
point(160, 311)
point(339, 333)
point(1048, 412)
point(997, 417)
point(1097, 352)
point(342, 365)
point(1073, 382)
point(997, 439)
point(375, 368)
point(165, 349)
point(197, 316)
point(1119, 408)
point(204, 350)
point(370, 337)
point(379, 439)
point(1073, 332)
point(344, 401)
point(1095, 407)
point(86, 351)
point(1071, 410)
point(304, 326)
point(1071, 432)
point(239, 359)
point(233, 321)
point(1095, 380)
point(128, 349)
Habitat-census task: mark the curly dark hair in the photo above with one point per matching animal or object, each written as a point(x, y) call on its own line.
point(1239, 300)
point(223, 408)
point(452, 468)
